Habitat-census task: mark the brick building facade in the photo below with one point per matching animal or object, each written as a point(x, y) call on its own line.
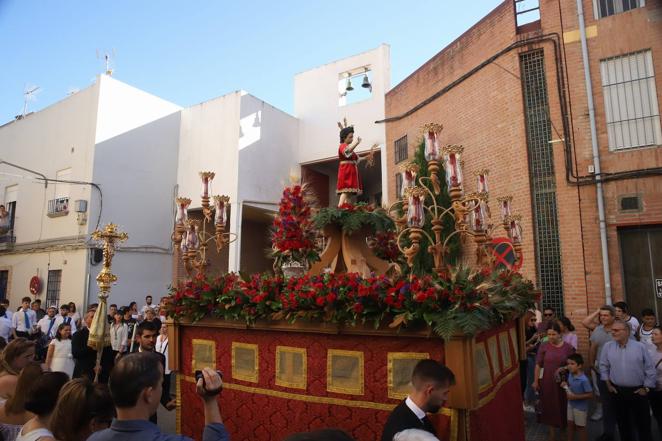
point(515, 98)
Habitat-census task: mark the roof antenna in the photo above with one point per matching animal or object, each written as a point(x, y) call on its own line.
point(29, 94)
point(107, 57)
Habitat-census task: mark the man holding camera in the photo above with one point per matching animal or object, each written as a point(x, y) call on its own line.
point(135, 385)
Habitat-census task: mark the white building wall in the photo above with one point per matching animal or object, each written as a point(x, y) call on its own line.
point(209, 141)
point(123, 107)
point(316, 105)
point(137, 171)
point(58, 137)
point(267, 151)
point(21, 267)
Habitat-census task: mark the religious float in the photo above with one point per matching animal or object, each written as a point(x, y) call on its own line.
point(358, 295)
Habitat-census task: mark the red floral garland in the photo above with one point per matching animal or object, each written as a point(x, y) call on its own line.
point(483, 298)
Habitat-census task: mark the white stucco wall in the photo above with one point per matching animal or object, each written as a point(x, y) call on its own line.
point(137, 172)
point(58, 137)
point(22, 267)
point(209, 138)
point(62, 136)
point(317, 108)
point(123, 107)
point(209, 141)
point(267, 150)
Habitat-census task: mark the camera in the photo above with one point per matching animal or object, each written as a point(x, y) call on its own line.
point(198, 376)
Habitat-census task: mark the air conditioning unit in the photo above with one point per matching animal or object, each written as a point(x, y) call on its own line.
point(80, 206)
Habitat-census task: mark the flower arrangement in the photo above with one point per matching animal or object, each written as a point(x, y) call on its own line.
point(293, 235)
point(384, 245)
point(459, 301)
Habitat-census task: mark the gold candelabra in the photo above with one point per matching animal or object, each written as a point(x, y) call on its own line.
point(191, 237)
point(470, 212)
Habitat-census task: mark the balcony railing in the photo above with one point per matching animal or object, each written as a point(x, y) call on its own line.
point(7, 238)
point(58, 207)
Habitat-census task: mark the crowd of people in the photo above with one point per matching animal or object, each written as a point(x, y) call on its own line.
point(622, 375)
point(47, 368)
point(48, 390)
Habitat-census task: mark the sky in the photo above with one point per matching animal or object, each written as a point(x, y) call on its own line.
point(191, 51)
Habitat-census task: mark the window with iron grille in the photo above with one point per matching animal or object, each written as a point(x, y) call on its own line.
point(605, 8)
point(543, 182)
point(398, 185)
point(4, 280)
point(401, 152)
point(631, 107)
point(53, 288)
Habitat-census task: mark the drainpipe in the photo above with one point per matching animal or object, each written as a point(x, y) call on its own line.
point(596, 154)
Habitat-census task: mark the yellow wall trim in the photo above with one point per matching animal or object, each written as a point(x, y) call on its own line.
point(573, 36)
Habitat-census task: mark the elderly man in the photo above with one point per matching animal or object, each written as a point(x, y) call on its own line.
point(86, 357)
point(629, 372)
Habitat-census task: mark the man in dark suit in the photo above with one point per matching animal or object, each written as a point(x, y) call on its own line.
point(86, 357)
point(146, 334)
point(431, 383)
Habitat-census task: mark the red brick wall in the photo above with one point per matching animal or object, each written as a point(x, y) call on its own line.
point(485, 114)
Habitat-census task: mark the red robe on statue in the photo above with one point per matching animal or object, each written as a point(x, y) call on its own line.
point(349, 180)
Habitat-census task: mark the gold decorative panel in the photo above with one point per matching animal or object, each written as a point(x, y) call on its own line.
point(344, 372)
point(291, 367)
point(400, 367)
point(483, 374)
point(494, 355)
point(504, 345)
point(245, 362)
point(513, 340)
point(204, 354)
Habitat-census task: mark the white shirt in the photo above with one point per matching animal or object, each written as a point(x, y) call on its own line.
point(5, 328)
point(162, 347)
point(420, 413)
point(119, 336)
point(634, 324)
point(646, 337)
point(59, 320)
point(18, 320)
point(9, 314)
point(45, 325)
point(153, 307)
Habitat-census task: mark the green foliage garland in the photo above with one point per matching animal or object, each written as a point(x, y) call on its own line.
point(353, 217)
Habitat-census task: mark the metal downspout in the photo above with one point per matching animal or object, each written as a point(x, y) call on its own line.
point(596, 154)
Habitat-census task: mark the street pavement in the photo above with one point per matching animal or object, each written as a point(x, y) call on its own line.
point(540, 432)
